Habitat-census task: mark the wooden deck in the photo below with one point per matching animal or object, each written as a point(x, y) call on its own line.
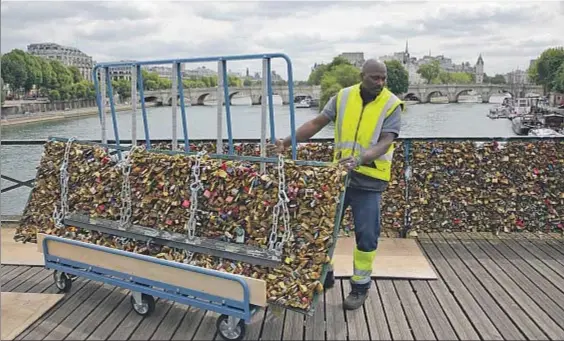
point(493, 288)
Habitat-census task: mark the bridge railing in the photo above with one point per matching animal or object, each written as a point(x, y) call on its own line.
point(178, 94)
point(440, 184)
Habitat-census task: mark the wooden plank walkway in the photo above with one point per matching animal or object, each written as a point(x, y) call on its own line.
point(509, 287)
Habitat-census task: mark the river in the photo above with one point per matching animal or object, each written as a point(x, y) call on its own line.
point(420, 120)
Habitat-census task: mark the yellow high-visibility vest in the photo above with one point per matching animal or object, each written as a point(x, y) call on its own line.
point(358, 128)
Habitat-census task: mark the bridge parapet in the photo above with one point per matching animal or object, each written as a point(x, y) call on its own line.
point(424, 92)
point(197, 96)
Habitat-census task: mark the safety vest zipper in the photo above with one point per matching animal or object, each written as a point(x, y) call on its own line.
point(357, 127)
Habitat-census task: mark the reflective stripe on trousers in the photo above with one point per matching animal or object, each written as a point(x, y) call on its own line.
point(362, 266)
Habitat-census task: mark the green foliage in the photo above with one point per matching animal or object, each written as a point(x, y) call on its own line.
point(558, 82)
point(338, 75)
point(545, 71)
point(430, 71)
point(497, 79)
point(2, 92)
point(398, 77)
point(23, 71)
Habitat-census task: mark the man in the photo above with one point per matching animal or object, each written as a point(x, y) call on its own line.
point(367, 119)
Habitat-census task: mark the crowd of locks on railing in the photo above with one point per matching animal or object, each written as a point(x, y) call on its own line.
point(436, 186)
point(468, 186)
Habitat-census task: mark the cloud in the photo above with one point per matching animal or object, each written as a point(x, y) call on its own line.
point(308, 31)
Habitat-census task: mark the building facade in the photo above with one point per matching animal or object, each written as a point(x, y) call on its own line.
point(355, 58)
point(68, 56)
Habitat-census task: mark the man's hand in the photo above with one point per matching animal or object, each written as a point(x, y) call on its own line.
point(351, 162)
point(275, 148)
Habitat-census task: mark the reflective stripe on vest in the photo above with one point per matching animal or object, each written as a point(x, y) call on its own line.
point(345, 146)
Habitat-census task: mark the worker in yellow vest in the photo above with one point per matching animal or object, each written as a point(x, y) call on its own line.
point(367, 120)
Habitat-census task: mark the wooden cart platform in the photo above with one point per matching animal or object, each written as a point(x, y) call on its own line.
point(508, 287)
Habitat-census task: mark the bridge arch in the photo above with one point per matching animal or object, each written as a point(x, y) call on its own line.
point(462, 92)
point(273, 94)
point(412, 97)
point(202, 98)
point(301, 97)
point(169, 101)
point(149, 99)
point(231, 95)
point(432, 93)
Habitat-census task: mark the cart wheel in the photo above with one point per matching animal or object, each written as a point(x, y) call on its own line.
point(62, 281)
point(234, 333)
point(146, 307)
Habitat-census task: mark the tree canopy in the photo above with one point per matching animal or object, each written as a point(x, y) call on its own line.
point(22, 71)
point(547, 70)
point(340, 74)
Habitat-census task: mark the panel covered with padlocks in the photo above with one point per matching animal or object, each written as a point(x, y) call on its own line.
point(462, 185)
point(236, 203)
point(393, 203)
point(476, 186)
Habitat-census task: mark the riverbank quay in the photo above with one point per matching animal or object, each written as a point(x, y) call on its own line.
point(59, 115)
point(480, 293)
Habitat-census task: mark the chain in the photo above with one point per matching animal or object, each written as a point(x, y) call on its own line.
point(125, 210)
point(195, 186)
point(58, 216)
point(280, 208)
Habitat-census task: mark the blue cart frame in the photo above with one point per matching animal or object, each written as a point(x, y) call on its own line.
point(235, 314)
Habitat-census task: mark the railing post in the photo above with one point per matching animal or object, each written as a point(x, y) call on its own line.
point(264, 98)
point(102, 104)
point(226, 100)
point(133, 105)
point(183, 107)
point(143, 106)
point(174, 103)
point(219, 146)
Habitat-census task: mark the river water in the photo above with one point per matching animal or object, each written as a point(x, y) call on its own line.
point(420, 120)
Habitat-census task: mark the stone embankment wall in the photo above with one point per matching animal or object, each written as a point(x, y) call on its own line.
point(38, 107)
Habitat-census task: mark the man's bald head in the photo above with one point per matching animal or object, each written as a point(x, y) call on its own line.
point(373, 75)
point(373, 66)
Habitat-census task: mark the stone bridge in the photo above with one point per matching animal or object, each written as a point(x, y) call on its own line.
point(197, 96)
point(424, 92)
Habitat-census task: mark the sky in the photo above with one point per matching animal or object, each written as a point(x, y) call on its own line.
point(508, 34)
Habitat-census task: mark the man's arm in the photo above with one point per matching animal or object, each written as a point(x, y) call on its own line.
point(313, 126)
point(390, 131)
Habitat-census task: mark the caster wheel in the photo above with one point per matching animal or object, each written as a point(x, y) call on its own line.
point(62, 281)
point(146, 307)
point(236, 332)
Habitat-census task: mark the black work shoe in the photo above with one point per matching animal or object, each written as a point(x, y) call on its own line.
point(329, 280)
point(356, 297)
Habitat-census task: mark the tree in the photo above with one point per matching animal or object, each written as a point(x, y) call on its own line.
point(558, 82)
point(341, 76)
point(533, 73)
point(547, 66)
point(398, 77)
point(14, 71)
point(2, 92)
point(498, 79)
point(76, 76)
point(430, 71)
